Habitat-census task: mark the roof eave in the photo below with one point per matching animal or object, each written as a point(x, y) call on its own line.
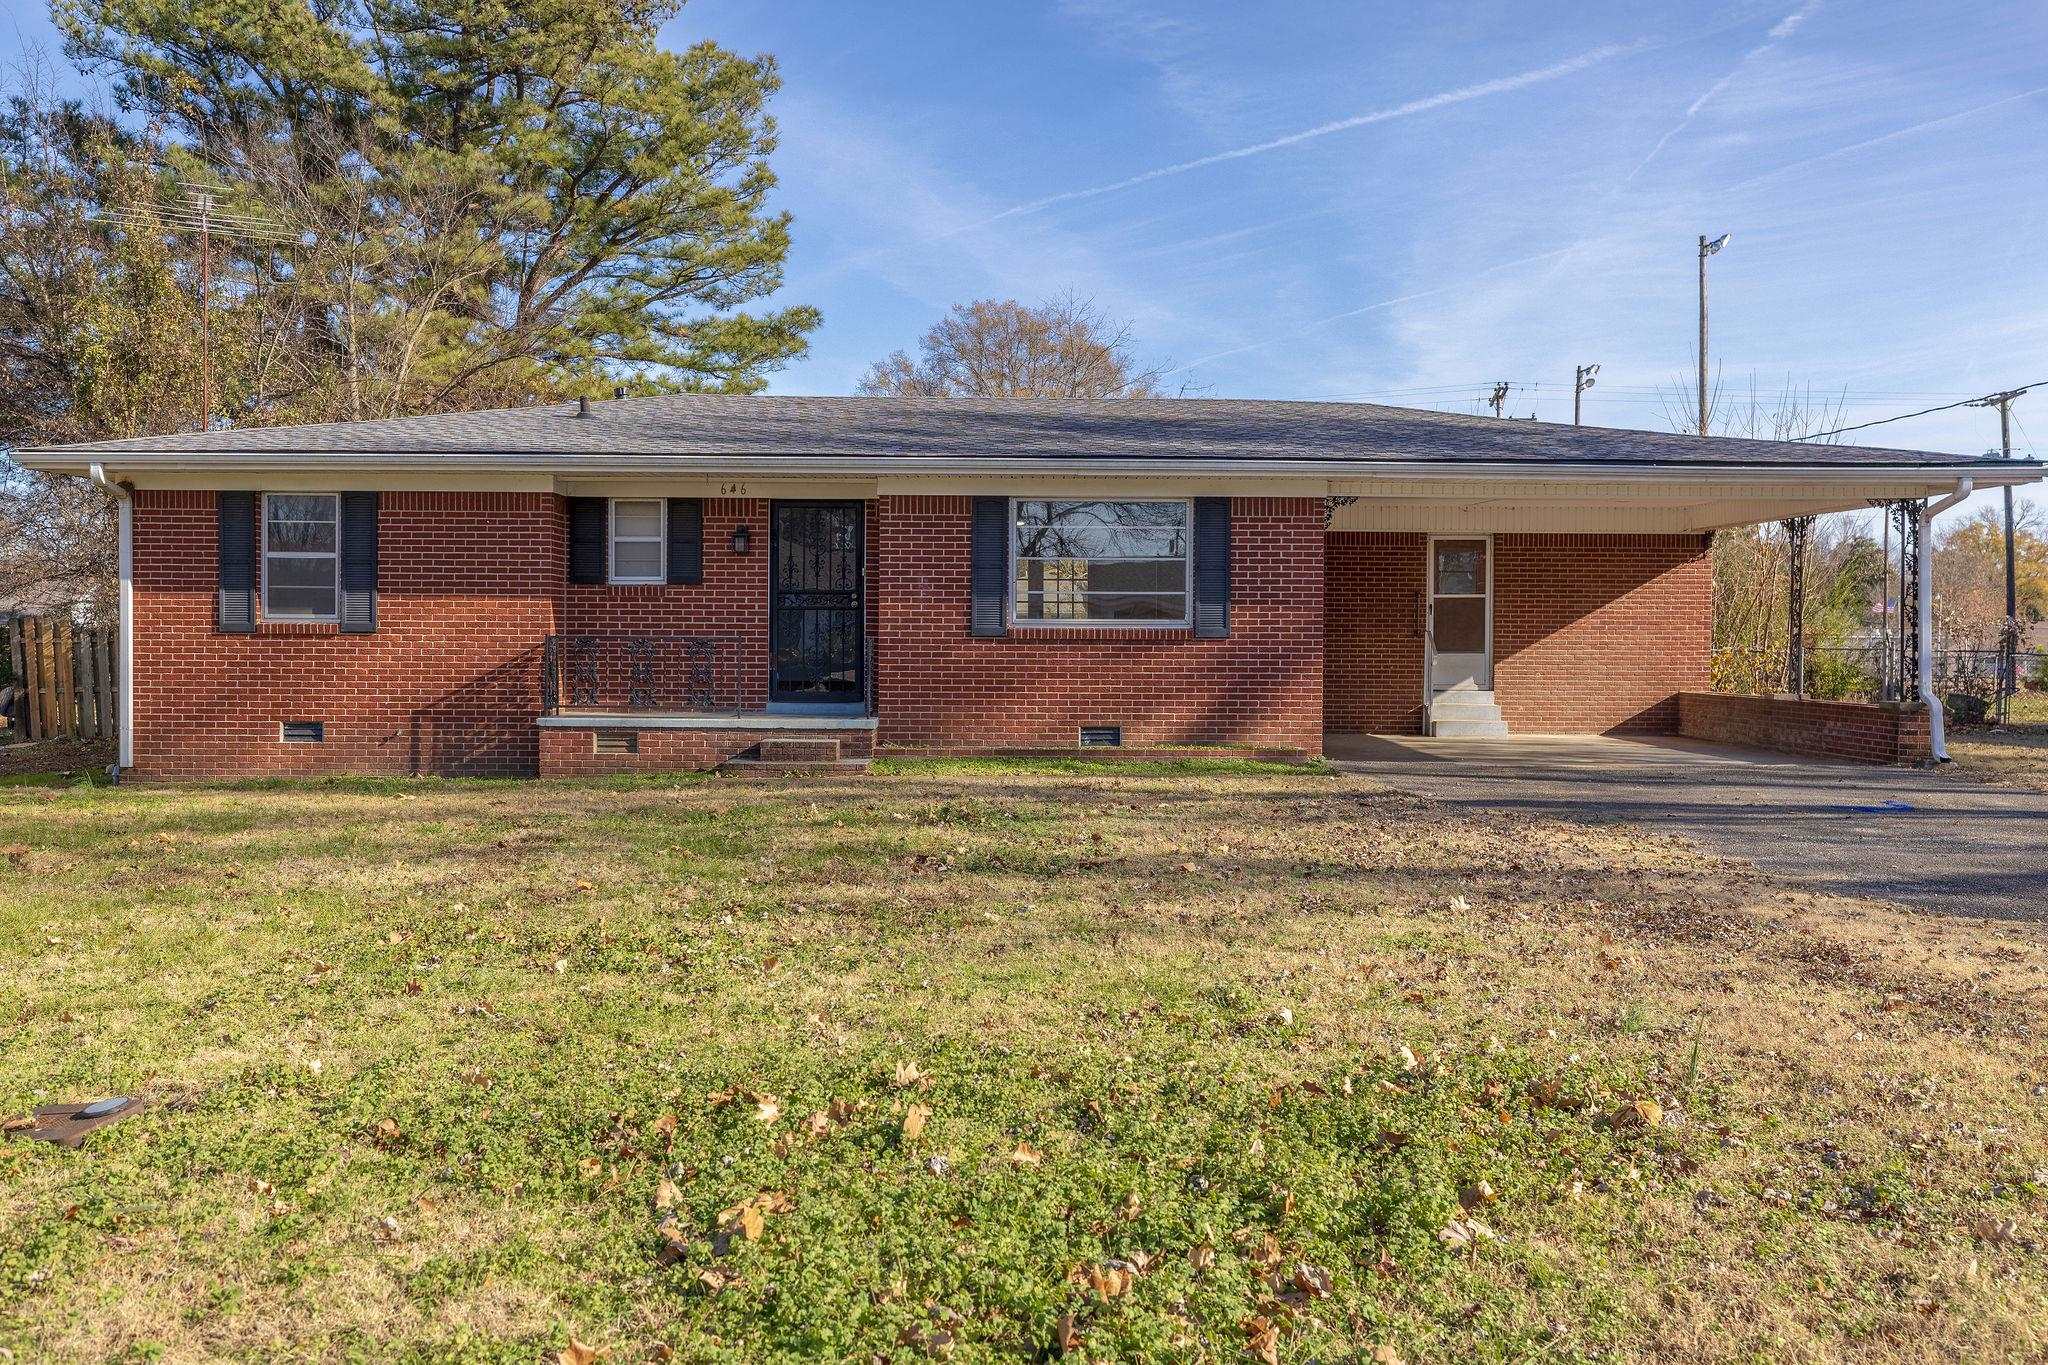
point(1992, 473)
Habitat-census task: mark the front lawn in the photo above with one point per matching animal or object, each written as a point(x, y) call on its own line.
point(985, 1061)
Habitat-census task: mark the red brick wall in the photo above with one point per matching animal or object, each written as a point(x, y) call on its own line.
point(1862, 732)
point(1599, 633)
point(566, 752)
point(729, 605)
point(449, 683)
point(1034, 688)
point(1374, 585)
point(1591, 633)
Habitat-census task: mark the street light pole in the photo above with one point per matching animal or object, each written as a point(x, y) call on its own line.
point(1581, 381)
point(1707, 249)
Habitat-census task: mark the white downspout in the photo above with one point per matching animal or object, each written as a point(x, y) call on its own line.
point(1937, 731)
point(124, 665)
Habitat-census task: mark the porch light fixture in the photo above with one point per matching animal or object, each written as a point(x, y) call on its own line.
point(741, 537)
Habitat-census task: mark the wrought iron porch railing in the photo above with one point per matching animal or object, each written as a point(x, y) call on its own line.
point(687, 674)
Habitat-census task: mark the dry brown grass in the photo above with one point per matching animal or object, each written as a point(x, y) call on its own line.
point(2014, 756)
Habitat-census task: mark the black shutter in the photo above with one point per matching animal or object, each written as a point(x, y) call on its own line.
point(358, 605)
point(686, 540)
point(1212, 568)
point(237, 610)
point(587, 517)
point(991, 571)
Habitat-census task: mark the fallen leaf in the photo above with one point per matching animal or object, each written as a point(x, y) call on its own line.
point(913, 1121)
point(1262, 1339)
point(1643, 1113)
point(576, 1353)
point(767, 1108)
point(666, 1195)
point(1386, 1355)
point(1312, 1280)
point(1201, 1257)
point(1475, 1195)
point(1109, 1281)
point(386, 1132)
point(907, 1074)
point(1067, 1334)
point(1026, 1155)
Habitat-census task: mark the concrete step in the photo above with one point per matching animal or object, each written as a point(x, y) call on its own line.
point(806, 750)
point(1448, 729)
point(1464, 710)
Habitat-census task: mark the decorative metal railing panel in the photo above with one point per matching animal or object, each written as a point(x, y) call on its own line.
point(684, 674)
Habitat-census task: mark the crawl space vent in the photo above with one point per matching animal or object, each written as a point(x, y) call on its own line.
point(303, 732)
point(615, 742)
point(1102, 736)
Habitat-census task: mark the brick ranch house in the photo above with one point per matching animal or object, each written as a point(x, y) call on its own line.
point(673, 581)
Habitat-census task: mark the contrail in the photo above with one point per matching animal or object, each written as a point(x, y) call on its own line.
point(1374, 307)
point(1780, 31)
point(1892, 136)
point(1416, 106)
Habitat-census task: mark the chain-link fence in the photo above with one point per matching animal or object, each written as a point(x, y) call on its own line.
point(1977, 684)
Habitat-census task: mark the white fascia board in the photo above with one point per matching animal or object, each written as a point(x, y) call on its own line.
point(1991, 475)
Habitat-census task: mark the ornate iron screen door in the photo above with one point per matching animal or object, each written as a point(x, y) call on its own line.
point(817, 632)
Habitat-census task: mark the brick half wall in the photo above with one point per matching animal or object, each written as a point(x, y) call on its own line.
point(1860, 732)
point(1033, 689)
point(449, 682)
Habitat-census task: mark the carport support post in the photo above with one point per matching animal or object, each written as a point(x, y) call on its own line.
point(1796, 529)
point(1936, 731)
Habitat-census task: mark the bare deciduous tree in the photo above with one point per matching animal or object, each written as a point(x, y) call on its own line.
point(991, 348)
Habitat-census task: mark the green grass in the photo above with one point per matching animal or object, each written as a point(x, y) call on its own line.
point(1204, 1051)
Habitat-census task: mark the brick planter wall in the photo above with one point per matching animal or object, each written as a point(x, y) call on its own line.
point(1862, 732)
point(449, 683)
point(938, 687)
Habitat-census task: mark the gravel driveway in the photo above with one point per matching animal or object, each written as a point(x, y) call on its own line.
point(1919, 838)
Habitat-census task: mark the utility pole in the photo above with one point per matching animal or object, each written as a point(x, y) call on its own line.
point(204, 203)
point(2009, 638)
point(1500, 396)
point(1707, 249)
point(1581, 381)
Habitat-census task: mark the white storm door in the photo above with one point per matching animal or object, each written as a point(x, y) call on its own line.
point(1460, 612)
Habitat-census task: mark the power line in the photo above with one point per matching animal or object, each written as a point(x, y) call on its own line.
point(1961, 403)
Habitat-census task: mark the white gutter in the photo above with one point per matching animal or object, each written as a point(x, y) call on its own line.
point(1937, 731)
point(800, 465)
point(124, 665)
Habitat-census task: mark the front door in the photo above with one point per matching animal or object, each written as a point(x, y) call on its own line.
point(1460, 613)
point(817, 626)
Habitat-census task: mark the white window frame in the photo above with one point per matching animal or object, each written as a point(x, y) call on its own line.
point(265, 552)
point(1187, 576)
point(611, 542)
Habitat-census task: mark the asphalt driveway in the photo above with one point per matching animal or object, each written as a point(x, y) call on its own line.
point(1919, 838)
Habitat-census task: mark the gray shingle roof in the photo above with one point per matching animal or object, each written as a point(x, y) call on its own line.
point(879, 428)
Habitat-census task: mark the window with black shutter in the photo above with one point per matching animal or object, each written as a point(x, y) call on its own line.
point(587, 540)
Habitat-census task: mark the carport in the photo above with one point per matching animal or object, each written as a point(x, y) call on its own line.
point(1922, 838)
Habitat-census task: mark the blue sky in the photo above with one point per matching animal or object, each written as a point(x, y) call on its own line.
point(1406, 202)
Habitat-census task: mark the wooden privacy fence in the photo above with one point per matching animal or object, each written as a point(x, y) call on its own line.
point(66, 675)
